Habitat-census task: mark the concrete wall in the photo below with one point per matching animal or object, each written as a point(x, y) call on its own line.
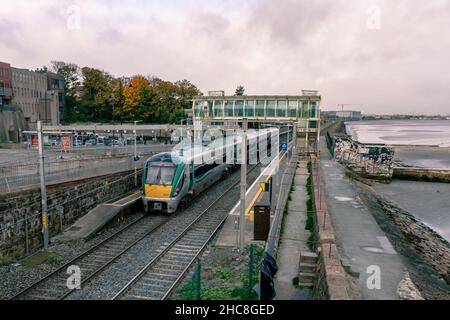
point(11, 123)
point(371, 161)
point(20, 219)
point(422, 174)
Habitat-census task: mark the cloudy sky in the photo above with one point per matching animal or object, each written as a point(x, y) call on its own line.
point(388, 55)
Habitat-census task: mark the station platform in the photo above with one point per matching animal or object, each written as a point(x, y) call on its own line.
point(89, 224)
point(228, 236)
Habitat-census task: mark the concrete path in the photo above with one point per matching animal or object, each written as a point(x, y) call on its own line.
point(293, 241)
point(363, 242)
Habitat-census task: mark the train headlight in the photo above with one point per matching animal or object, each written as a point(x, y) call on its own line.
point(176, 192)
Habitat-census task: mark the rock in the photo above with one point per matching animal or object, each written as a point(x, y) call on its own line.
point(407, 290)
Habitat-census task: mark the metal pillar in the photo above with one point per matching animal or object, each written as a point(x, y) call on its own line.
point(43, 187)
point(295, 135)
point(135, 155)
point(243, 184)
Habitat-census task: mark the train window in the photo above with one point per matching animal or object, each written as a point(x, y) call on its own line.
point(160, 175)
point(204, 169)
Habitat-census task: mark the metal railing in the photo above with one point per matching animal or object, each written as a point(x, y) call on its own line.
point(17, 176)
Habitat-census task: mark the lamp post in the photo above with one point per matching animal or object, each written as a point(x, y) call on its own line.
point(243, 185)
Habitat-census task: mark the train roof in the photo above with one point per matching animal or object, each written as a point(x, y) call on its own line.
point(186, 152)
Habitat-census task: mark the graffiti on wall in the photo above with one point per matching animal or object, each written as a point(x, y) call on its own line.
point(372, 160)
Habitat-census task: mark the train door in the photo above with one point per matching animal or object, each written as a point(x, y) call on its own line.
point(191, 176)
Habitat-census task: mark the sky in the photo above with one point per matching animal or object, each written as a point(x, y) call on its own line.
point(384, 56)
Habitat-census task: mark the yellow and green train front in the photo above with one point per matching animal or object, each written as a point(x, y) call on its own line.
point(162, 186)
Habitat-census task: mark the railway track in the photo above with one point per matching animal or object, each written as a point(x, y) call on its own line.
point(92, 261)
point(165, 271)
point(187, 244)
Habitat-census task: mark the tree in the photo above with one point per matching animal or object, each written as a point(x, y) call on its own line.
point(239, 91)
point(70, 72)
point(186, 91)
point(44, 69)
point(139, 100)
point(97, 95)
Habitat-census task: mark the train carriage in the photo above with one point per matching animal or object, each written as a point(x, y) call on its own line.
point(173, 178)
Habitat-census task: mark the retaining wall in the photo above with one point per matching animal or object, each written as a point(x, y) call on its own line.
point(331, 283)
point(369, 161)
point(20, 212)
point(422, 174)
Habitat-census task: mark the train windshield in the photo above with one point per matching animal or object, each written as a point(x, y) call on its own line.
point(160, 175)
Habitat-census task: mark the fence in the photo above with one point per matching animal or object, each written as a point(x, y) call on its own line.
point(17, 176)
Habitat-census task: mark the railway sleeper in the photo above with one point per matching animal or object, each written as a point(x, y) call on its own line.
point(176, 258)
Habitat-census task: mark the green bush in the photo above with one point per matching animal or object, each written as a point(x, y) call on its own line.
point(295, 281)
point(309, 166)
point(54, 259)
point(310, 242)
point(309, 222)
point(222, 272)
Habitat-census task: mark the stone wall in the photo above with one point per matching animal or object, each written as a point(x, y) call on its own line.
point(20, 212)
point(370, 161)
point(422, 174)
point(12, 122)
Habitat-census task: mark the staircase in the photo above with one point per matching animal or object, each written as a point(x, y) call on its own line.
point(307, 269)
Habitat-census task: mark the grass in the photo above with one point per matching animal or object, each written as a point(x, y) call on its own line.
point(233, 284)
point(222, 272)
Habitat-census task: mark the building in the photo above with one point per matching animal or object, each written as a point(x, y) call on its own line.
point(303, 111)
point(55, 82)
point(5, 86)
point(31, 94)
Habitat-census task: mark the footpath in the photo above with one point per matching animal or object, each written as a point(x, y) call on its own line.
point(362, 244)
point(293, 240)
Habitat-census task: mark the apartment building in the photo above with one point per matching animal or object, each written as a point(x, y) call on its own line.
point(5, 86)
point(31, 94)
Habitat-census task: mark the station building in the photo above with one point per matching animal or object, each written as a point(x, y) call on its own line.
point(303, 111)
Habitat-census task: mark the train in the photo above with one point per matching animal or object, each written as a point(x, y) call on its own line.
point(173, 179)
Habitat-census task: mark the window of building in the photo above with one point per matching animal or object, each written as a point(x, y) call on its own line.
point(313, 110)
point(218, 111)
point(228, 108)
point(281, 108)
point(239, 108)
point(260, 105)
point(250, 108)
point(304, 113)
point(270, 108)
point(292, 108)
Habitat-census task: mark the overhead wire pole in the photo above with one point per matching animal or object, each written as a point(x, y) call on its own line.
point(135, 159)
point(243, 184)
point(43, 187)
